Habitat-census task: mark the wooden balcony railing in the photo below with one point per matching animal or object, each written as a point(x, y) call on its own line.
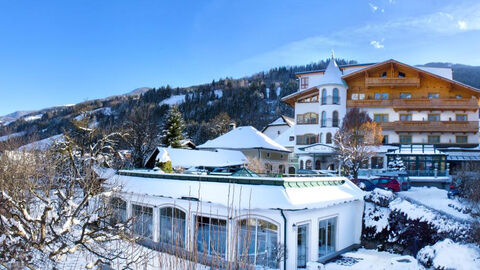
point(427, 126)
point(446, 104)
point(392, 82)
point(370, 103)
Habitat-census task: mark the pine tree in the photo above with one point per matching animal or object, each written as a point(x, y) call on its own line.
point(173, 129)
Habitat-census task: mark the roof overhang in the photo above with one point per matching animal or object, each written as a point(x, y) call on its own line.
point(292, 98)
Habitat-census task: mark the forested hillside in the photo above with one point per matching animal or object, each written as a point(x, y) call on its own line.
point(206, 108)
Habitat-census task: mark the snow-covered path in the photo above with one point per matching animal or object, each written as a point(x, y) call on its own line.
point(372, 259)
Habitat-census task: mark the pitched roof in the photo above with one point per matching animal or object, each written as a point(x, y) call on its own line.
point(420, 70)
point(246, 137)
point(187, 158)
point(282, 120)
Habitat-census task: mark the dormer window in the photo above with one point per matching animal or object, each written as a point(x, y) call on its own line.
point(384, 75)
point(401, 75)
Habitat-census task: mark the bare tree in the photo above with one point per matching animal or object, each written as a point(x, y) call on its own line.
point(356, 139)
point(53, 203)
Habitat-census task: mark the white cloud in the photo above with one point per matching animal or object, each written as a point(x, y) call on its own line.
point(462, 25)
point(377, 44)
point(373, 7)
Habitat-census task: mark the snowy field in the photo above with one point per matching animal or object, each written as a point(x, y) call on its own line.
point(437, 199)
point(364, 259)
point(173, 100)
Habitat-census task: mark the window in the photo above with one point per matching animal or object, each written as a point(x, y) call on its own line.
point(307, 118)
point(324, 96)
point(324, 119)
point(461, 117)
point(306, 139)
point(434, 117)
point(211, 236)
point(381, 95)
point(326, 236)
point(401, 75)
point(119, 211)
point(308, 164)
point(143, 221)
point(335, 96)
point(302, 245)
point(384, 74)
point(317, 164)
point(354, 96)
point(172, 226)
point(433, 139)
point(405, 95)
point(301, 164)
point(405, 117)
point(310, 99)
point(461, 139)
point(335, 119)
point(291, 138)
point(433, 95)
point(257, 242)
point(458, 96)
point(281, 169)
point(377, 162)
point(304, 82)
point(361, 96)
point(329, 138)
point(385, 139)
point(380, 118)
point(405, 139)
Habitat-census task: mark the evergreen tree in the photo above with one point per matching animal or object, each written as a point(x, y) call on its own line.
point(173, 129)
point(396, 164)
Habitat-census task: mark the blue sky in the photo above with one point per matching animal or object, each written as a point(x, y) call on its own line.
point(62, 52)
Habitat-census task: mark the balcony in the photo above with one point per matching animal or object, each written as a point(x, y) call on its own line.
point(392, 82)
point(446, 104)
point(427, 126)
point(369, 103)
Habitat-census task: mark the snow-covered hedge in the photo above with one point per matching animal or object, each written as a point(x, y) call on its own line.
point(447, 254)
point(395, 224)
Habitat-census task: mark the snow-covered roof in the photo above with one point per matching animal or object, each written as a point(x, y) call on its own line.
point(284, 138)
point(444, 72)
point(240, 138)
point(332, 75)
point(187, 158)
point(333, 190)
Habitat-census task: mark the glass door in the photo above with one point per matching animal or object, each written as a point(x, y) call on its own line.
point(302, 246)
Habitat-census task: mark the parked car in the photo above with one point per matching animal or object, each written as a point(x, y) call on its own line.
point(387, 183)
point(453, 192)
point(364, 184)
point(400, 176)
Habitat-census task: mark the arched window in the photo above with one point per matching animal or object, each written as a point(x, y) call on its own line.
point(291, 170)
point(317, 164)
point(301, 164)
point(324, 119)
point(335, 119)
point(172, 226)
point(257, 242)
point(320, 139)
point(307, 118)
point(329, 138)
point(335, 96)
point(324, 96)
point(142, 221)
point(281, 169)
point(308, 164)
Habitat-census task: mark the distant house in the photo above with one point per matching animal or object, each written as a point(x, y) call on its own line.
point(187, 144)
point(277, 127)
point(187, 158)
point(254, 144)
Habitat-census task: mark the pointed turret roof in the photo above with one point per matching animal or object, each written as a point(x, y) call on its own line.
point(332, 74)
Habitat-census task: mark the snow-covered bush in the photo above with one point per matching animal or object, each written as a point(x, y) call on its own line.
point(380, 197)
point(447, 254)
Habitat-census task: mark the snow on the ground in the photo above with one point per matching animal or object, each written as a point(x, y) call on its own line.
point(42, 145)
point(372, 259)
point(437, 199)
point(33, 117)
point(447, 254)
point(218, 93)
point(173, 100)
point(105, 111)
point(13, 135)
